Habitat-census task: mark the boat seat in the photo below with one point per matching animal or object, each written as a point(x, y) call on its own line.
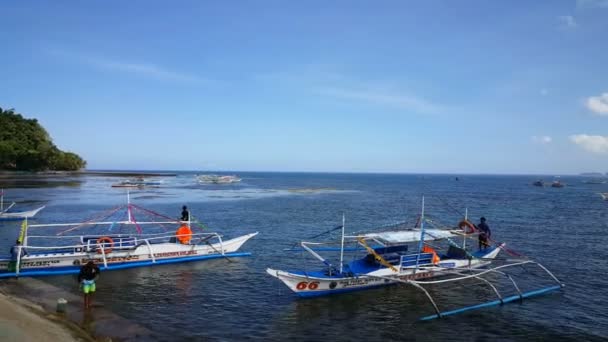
point(456, 253)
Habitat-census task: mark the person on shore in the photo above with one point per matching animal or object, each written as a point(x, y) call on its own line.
point(484, 233)
point(185, 214)
point(86, 278)
point(16, 250)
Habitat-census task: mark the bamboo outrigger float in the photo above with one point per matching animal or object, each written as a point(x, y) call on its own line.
point(7, 215)
point(62, 254)
point(389, 262)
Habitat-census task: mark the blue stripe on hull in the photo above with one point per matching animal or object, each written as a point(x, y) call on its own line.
point(37, 272)
point(313, 294)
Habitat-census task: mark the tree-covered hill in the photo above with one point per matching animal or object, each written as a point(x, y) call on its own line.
point(26, 146)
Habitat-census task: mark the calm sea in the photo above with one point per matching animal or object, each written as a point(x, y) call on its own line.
point(565, 229)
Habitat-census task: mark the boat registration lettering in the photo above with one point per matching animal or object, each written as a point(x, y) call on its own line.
point(447, 264)
point(355, 282)
point(39, 263)
point(416, 276)
point(112, 259)
point(172, 254)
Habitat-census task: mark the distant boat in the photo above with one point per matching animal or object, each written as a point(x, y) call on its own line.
point(557, 184)
point(6, 215)
point(538, 183)
point(594, 181)
point(137, 183)
point(604, 196)
point(217, 179)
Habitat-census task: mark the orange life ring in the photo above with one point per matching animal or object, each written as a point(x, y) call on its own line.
point(464, 224)
point(104, 241)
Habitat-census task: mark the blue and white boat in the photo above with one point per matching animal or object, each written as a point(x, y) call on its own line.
point(410, 256)
point(121, 245)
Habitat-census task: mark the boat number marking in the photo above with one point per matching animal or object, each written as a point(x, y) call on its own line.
point(303, 285)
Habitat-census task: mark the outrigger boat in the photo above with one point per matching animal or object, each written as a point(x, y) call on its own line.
point(412, 257)
point(116, 249)
point(7, 215)
point(137, 183)
point(218, 179)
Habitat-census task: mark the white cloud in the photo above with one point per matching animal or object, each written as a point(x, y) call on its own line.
point(591, 143)
point(542, 139)
point(383, 98)
point(567, 21)
point(592, 3)
point(144, 69)
point(598, 104)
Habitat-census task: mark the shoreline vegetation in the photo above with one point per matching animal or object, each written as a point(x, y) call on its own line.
point(26, 146)
point(8, 173)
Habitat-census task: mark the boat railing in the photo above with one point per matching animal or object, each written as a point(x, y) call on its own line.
point(105, 247)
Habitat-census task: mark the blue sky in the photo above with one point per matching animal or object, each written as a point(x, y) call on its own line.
point(354, 86)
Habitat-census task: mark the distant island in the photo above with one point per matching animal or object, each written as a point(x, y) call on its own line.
point(26, 146)
point(592, 174)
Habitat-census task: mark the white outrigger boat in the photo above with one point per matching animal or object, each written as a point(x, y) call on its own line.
point(218, 179)
point(60, 254)
point(7, 215)
point(406, 257)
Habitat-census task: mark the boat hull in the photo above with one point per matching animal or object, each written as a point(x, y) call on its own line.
point(314, 284)
point(143, 255)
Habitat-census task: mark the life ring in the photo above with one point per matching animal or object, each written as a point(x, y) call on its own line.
point(467, 226)
point(105, 241)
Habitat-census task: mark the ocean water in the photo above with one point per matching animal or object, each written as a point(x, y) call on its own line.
point(234, 299)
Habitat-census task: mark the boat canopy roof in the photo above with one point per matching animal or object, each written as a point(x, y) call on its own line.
point(403, 236)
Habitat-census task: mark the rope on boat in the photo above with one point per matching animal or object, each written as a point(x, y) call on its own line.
point(139, 230)
point(155, 213)
point(96, 218)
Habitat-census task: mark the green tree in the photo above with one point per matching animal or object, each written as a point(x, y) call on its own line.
point(26, 146)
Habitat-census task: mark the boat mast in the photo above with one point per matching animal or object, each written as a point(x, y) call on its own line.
point(421, 242)
point(342, 244)
point(464, 236)
point(128, 206)
point(1, 200)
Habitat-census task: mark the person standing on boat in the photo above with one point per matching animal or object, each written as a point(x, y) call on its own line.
point(86, 278)
point(15, 251)
point(484, 233)
point(185, 214)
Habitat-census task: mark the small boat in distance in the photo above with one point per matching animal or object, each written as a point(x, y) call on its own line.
point(604, 195)
point(138, 182)
point(557, 184)
point(115, 242)
point(7, 215)
point(539, 183)
point(595, 181)
point(218, 179)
